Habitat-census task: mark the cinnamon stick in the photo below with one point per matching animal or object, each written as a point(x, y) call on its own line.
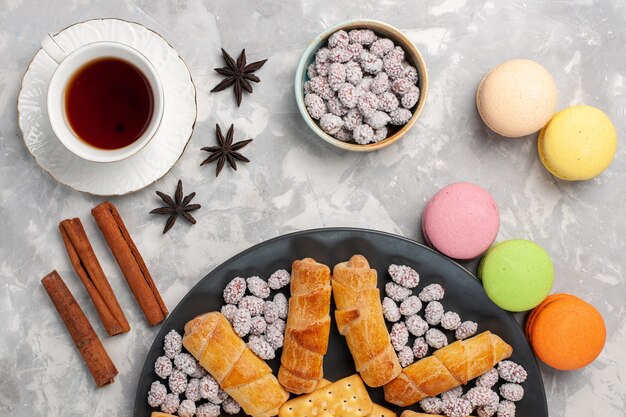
point(88, 269)
point(85, 338)
point(130, 261)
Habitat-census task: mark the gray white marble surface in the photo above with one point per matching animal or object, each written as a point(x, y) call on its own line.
point(295, 182)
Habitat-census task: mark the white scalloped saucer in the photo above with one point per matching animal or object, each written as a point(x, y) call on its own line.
point(147, 165)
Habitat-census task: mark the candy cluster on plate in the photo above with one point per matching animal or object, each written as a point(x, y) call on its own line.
point(254, 316)
point(358, 85)
point(402, 308)
point(183, 376)
point(484, 398)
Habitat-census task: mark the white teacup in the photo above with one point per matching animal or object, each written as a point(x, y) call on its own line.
point(69, 62)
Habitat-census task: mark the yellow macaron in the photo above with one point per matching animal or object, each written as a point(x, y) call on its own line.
point(578, 143)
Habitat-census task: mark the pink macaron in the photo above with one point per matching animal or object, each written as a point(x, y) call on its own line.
point(461, 221)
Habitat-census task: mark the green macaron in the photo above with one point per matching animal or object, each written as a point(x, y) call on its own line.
point(517, 274)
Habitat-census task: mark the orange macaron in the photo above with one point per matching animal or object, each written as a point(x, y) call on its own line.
point(566, 332)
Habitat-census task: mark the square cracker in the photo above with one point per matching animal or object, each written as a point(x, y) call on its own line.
point(380, 411)
point(377, 410)
point(347, 397)
point(409, 413)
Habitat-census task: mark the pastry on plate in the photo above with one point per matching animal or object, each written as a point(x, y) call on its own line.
point(360, 319)
point(448, 367)
point(308, 327)
point(242, 374)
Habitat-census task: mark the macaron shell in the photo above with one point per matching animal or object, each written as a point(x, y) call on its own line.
point(517, 98)
point(568, 333)
point(578, 143)
point(461, 221)
point(533, 314)
point(517, 274)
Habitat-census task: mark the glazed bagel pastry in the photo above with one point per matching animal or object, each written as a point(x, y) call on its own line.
point(242, 374)
point(308, 327)
point(448, 367)
point(360, 319)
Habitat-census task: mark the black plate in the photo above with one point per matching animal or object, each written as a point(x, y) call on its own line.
point(464, 294)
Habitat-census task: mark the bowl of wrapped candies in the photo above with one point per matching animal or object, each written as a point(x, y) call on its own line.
point(361, 85)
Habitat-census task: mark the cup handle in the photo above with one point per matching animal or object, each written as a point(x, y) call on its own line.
point(53, 49)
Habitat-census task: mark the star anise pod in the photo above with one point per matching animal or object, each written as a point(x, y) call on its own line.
point(225, 150)
point(176, 206)
point(238, 74)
